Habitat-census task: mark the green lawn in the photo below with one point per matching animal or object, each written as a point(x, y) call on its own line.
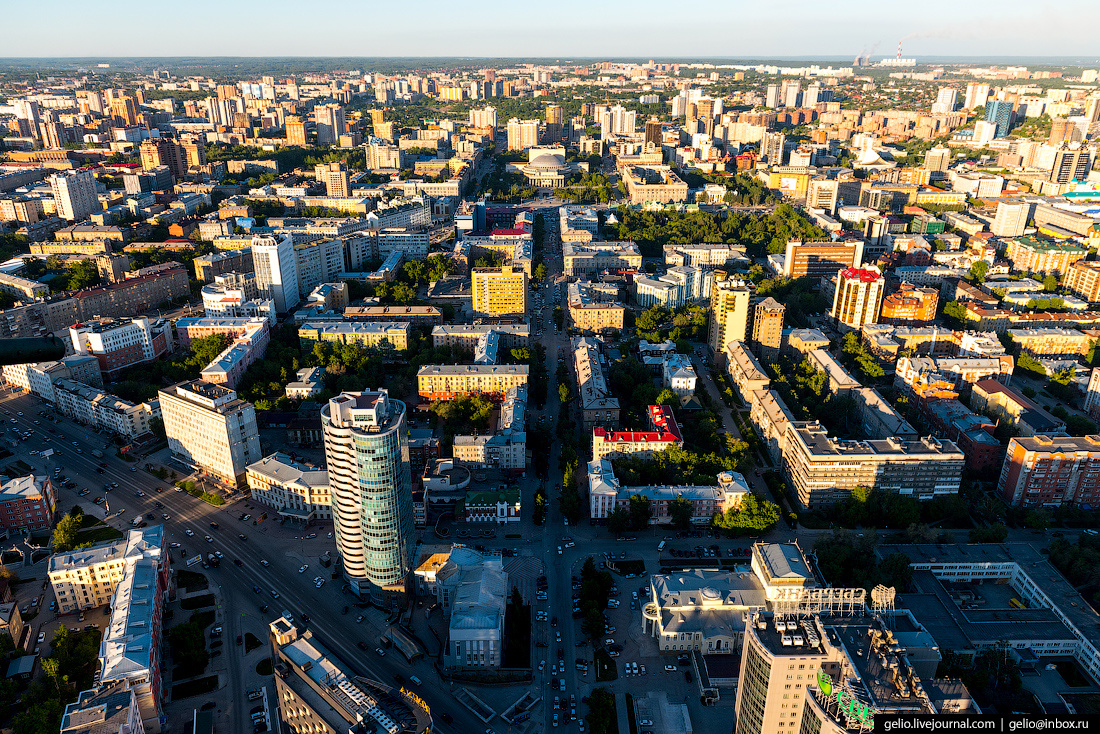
point(195, 687)
point(191, 581)
point(100, 534)
point(251, 642)
point(198, 602)
point(606, 670)
point(264, 667)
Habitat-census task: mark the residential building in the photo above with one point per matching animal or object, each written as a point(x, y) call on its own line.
point(334, 177)
point(594, 257)
point(1072, 162)
point(911, 373)
point(330, 122)
point(1052, 342)
point(27, 503)
point(820, 259)
point(745, 371)
point(467, 336)
point(1011, 219)
point(248, 337)
point(22, 288)
point(858, 297)
point(500, 292)
point(767, 328)
point(276, 271)
point(1051, 471)
point(209, 429)
point(315, 262)
point(429, 315)
point(506, 447)
point(143, 290)
point(382, 336)
point(661, 433)
point(706, 256)
point(101, 410)
point(449, 381)
point(217, 263)
point(522, 134)
point(11, 621)
point(839, 380)
point(235, 296)
point(605, 494)
point(590, 312)
point(1031, 255)
point(823, 470)
point(910, 305)
point(1083, 279)
point(370, 482)
point(74, 193)
point(1005, 403)
point(308, 385)
point(730, 309)
point(678, 374)
point(319, 693)
point(118, 344)
point(598, 405)
point(110, 708)
point(297, 491)
point(131, 575)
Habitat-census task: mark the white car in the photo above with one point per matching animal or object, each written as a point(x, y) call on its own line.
point(559, 550)
point(303, 568)
point(264, 563)
point(319, 583)
point(190, 533)
point(208, 539)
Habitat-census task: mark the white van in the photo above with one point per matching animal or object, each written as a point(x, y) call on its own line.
point(661, 546)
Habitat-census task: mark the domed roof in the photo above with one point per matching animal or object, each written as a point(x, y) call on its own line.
point(546, 160)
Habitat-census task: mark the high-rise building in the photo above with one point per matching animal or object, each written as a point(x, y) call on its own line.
point(858, 296)
point(74, 193)
point(377, 117)
point(767, 328)
point(730, 309)
point(295, 131)
point(370, 485)
point(194, 150)
point(29, 117)
point(554, 127)
point(1092, 109)
point(790, 93)
point(653, 134)
point(771, 146)
point(163, 152)
point(705, 108)
point(818, 259)
point(522, 134)
point(937, 159)
point(499, 292)
point(1083, 280)
point(946, 99)
point(485, 117)
point(210, 429)
point(1011, 218)
point(812, 95)
point(771, 96)
point(1048, 471)
point(276, 271)
point(335, 178)
point(124, 111)
point(1002, 114)
point(1071, 163)
point(330, 123)
point(976, 95)
point(1062, 130)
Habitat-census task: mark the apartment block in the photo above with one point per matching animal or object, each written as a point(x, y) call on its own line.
point(858, 297)
point(1050, 471)
point(705, 256)
point(118, 344)
point(1005, 403)
point(449, 381)
point(27, 503)
point(595, 257)
point(598, 405)
point(910, 305)
point(210, 429)
point(379, 335)
point(1052, 342)
point(500, 292)
point(99, 409)
point(820, 259)
point(248, 337)
point(22, 288)
point(730, 310)
point(1083, 280)
point(1031, 255)
point(294, 489)
point(506, 447)
point(590, 312)
point(661, 433)
point(767, 328)
point(745, 370)
point(144, 290)
point(466, 336)
point(429, 315)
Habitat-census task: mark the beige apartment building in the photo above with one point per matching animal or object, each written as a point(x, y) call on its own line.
point(1031, 255)
point(1083, 280)
point(730, 308)
point(296, 490)
point(449, 381)
point(654, 183)
point(595, 257)
point(588, 312)
point(500, 292)
point(377, 335)
point(210, 429)
point(466, 336)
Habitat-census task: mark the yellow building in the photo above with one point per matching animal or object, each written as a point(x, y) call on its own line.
point(373, 335)
point(449, 381)
point(730, 302)
point(499, 292)
point(590, 314)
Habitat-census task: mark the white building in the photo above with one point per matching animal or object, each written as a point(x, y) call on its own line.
point(210, 429)
point(307, 385)
point(276, 271)
point(679, 375)
point(102, 410)
point(75, 194)
point(294, 489)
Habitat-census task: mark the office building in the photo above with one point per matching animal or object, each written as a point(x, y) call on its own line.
point(820, 259)
point(1002, 114)
point(658, 184)
point(118, 344)
point(1050, 471)
point(276, 271)
point(1011, 219)
point(767, 328)
point(27, 503)
point(334, 176)
point(499, 292)
point(606, 494)
point(1083, 280)
point(74, 193)
point(522, 134)
point(318, 693)
point(209, 429)
point(370, 482)
point(730, 310)
point(297, 491)
point(381, 336)
point(1072, 162)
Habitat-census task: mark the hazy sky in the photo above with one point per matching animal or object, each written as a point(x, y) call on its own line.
point(591, 28)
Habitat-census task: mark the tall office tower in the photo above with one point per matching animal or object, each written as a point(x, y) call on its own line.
point(976, 95)
point(377, 117)
point(156, 152)
point(1062, 130)
point(937, 159)
point(522, 134)
point(209, 428)
point(370, 483)
point(194, 150)
point(335, 178)
point(330, 123)
point(812, 95)
point(705, 111)
point(767, 328)
point(858, 297)
point(295, 131)
point(554, 127)
point(946, 100)
point(771, 146)
point(1072, 162)
point(499, 292)
point(1002, 114)
point(75, 194)
point(276, 272)
point(771, 96)
point(124, 111)
point(1011, 219)
point(484, 117)
point(653, 134)
point(730, 308)
point(791, 93)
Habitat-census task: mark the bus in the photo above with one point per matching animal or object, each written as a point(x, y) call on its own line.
point(660, 546)
point(1016, 603)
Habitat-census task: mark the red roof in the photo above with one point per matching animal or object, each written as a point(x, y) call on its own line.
point(865, 276)
point(512, 231)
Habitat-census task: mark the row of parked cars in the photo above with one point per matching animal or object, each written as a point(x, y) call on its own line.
point(710, 552)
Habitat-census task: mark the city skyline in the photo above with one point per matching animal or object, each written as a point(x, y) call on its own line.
point(980, 28)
